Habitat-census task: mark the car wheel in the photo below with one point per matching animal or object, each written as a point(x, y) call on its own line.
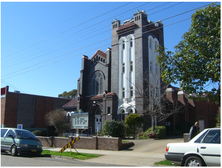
point(193, 161)
point(14, 151)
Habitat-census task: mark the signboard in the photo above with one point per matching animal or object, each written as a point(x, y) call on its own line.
point(80, 120)
point(20, 126)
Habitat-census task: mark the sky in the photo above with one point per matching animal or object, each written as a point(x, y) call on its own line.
point(42, 43)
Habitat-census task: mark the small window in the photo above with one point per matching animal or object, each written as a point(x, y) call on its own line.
point(131, 43)
point(150, 43)
point(123, 45)
point(123, 68)
point(123, 92)
point(131, 91)
point(156, 70)
point(155, 45)
point(151, 66)
point(131, 66)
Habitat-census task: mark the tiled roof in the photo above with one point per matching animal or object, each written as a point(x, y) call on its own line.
point(128, 25)
point(99, 52)
point(72, 103)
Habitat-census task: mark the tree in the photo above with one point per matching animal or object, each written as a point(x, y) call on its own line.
point(133, 122)
point(58, 119)
point(69, 95)
point(196, 61)
point(155, 102)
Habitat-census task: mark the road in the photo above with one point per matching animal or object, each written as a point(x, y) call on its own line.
point(143, 153)
point(8, 160)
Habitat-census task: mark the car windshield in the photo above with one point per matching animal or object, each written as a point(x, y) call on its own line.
point(21, 134)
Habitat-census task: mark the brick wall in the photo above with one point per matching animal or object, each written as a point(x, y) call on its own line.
point(3, 110)
point(11, 110)
point(29, 110)
point(100, 143)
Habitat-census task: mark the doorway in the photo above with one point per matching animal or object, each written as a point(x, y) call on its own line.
point(201, 124)
point(98, 123)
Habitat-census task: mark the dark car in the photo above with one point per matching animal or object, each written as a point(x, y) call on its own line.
point(20, 141)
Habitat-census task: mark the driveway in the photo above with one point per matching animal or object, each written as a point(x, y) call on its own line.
point(143, 153)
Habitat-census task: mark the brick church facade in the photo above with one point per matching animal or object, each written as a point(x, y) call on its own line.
point(106, 87)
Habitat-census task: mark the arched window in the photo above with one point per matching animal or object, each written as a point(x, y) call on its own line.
point(150, 43)
point(97, 83)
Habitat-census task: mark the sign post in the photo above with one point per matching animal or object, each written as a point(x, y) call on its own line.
point(69, 144)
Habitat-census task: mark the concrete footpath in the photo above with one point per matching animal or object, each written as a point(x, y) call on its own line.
point(143, 153)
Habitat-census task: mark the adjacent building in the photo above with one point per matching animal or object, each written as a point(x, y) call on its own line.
point(26, 109)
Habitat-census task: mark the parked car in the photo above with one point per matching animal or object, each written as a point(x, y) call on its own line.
point(203, 150)
point(20, 141)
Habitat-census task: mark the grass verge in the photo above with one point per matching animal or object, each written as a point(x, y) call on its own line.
point(164, 163)
point(80, 156)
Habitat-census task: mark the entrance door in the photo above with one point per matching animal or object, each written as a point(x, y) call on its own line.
point(201, 124)
point(98, 124)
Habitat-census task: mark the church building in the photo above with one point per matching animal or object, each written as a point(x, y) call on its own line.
point(106, 87)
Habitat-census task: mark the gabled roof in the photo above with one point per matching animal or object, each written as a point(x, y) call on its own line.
point(72, 103)
point(99, 52)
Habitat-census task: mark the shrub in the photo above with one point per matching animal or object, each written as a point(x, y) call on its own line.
point(39, 133)
point(114, 128)
point(159, 132)
point(133, 123)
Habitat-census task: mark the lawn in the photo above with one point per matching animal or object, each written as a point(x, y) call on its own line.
point(80, 156)
point(164, 163)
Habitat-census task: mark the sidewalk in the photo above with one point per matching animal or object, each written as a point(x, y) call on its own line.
point(143, 153)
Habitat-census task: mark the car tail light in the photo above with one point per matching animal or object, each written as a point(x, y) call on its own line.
point(167, 148)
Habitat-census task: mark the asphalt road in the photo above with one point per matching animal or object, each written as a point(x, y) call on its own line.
point(143, 153)
point(22, 161)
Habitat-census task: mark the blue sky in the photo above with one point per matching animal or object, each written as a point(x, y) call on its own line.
point(42, 43)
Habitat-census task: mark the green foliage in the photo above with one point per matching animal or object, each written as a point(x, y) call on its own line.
point(39, 133)
point(218, 119)
point(58, 119)
point(114, 128)
point(160, 132)
point(196, 62)
point(80, 156)
point(69, 95)
point(164, 163)
point(133, 123)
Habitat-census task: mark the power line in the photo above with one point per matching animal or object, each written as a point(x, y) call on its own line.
point(56, 26)
point(95, 35)
point(7, 83)
point(72, 27)
point(88, 51)
point(70, 52)
point(96, 24)
point(91, 32)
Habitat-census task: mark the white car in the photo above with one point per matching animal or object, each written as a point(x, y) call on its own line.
point(203, 150)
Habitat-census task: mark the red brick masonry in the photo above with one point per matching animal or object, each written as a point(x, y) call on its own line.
point(100, 143)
